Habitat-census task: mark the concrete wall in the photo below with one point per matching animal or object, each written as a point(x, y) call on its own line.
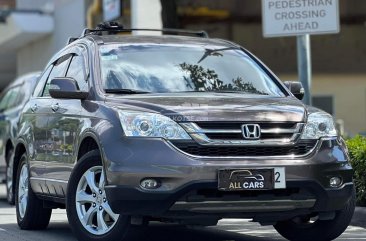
point(69, 18)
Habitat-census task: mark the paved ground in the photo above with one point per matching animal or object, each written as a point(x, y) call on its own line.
point(227, 230)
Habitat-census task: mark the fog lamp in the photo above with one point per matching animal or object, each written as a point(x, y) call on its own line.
point(335, 181)
point(149, 183)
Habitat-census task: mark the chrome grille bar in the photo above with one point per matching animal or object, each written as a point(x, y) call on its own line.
point(199, 135)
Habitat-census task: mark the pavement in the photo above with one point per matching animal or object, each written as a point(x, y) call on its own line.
point(359, 217)
point(226, 230)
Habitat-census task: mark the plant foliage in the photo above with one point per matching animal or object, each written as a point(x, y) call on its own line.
point(357, 151)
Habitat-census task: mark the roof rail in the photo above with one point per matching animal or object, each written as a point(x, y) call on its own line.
point(115, 27)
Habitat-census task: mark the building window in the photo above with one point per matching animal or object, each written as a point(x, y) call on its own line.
point(324, 103)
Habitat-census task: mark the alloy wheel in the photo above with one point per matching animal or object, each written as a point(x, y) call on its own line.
point(23, 190)
point(92, 206)
point(9, 181)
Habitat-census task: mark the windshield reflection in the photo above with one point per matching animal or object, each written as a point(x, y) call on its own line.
point(154, 68)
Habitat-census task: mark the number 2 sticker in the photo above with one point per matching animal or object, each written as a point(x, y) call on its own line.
point(279, 178)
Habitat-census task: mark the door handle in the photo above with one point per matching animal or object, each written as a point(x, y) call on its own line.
point(34, 108)
point(55, 107)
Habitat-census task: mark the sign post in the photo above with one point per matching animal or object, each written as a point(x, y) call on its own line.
point(304, 65)
point(300, 18)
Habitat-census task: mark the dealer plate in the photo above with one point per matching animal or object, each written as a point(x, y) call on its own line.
point(251, 179)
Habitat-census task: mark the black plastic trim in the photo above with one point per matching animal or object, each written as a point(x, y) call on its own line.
point(134, 201)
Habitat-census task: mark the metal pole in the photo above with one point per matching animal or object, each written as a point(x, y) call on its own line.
point(304, 65)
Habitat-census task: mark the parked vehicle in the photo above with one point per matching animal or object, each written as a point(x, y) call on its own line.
point(12, 101)
point(176, 128)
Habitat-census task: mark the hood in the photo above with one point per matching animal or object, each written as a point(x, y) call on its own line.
point(214, 106)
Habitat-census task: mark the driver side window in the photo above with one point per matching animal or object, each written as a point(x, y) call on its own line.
point(58, 70)
point(77, 69)
point(39, 88)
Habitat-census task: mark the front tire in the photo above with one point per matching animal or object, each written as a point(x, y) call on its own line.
point(88, 211)
point(29, 209)
point(301, 229)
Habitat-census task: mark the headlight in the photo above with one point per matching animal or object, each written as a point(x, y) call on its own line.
point(319, 125)
point(141, 124)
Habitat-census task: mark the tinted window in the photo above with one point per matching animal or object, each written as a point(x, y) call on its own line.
point(27, 89)
point(9, 100)
point(58, 70)
point(22, 93)
point(3, 102)
point(39, 88)
point(77, 71)
point(13, 97)
point(177, 68)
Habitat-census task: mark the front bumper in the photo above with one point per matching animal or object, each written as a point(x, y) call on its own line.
point(307, 195)
point(189, 184)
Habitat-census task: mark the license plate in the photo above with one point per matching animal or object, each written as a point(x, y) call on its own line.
point(251, 179)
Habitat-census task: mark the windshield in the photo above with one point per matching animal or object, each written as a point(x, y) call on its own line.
point(175, 68)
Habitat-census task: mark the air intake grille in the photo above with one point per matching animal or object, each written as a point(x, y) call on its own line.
point(302, 147)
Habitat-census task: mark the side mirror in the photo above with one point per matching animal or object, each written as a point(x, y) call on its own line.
point(295, 88)
point(66, 88)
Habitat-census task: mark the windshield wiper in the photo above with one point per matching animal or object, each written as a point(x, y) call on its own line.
point(126, 91)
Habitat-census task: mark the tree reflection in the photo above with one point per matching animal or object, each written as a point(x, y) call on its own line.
point(201, 79)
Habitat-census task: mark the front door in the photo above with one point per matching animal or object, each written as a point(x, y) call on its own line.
point(65, 125)
point(40, 109)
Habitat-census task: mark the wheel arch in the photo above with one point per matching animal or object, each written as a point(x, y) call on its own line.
point(19, 150)
point(89, 142)
point(9, 146)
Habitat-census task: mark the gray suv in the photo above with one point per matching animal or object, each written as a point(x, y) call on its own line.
point(128, 129)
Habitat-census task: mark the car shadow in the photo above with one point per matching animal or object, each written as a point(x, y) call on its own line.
point(156, 232)
point(60, 230)
point(164, 232)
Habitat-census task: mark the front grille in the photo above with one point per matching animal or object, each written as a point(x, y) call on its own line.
point(210, 130)
point(237, 125)
point(302, 147)
point(239, 136)
point(268, 134)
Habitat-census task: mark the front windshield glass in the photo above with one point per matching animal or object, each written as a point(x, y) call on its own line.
point(176, 68)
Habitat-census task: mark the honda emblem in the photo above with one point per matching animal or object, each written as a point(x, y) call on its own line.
point(251, 131)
